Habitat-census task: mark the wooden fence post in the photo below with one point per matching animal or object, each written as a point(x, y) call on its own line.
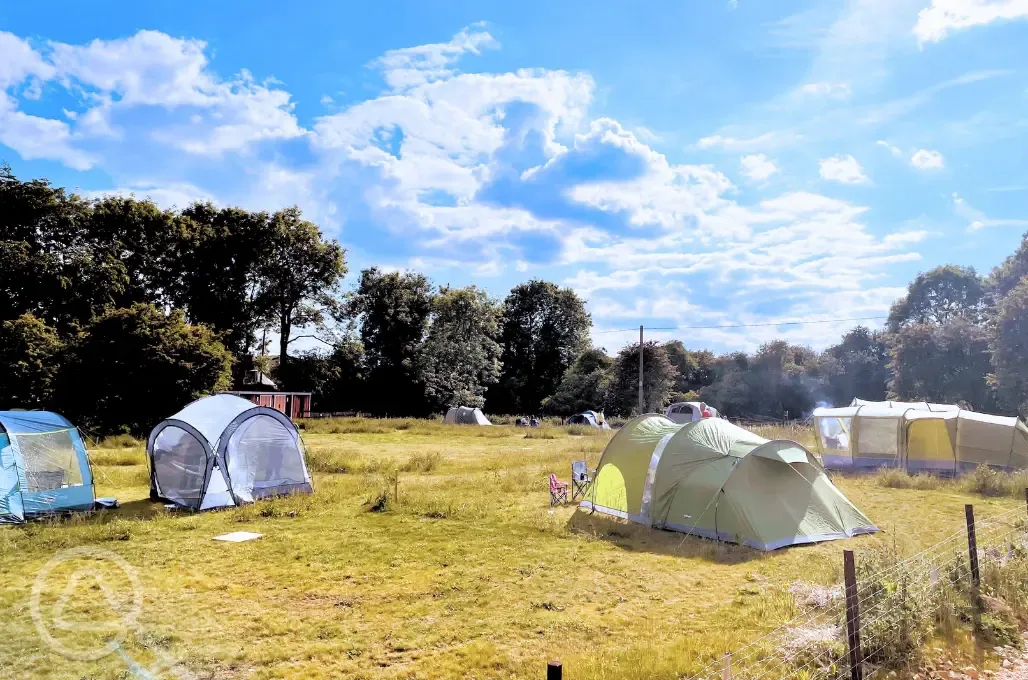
point(553, 670)
point(1026, 497)
point(726, 667)
point(972, 546)
point(852, 616)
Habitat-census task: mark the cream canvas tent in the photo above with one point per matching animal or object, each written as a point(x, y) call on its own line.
point(464, 415)
point(918, 405)
point(947, 442)
point(713, 479)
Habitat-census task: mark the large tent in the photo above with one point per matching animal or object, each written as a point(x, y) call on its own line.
point(945, 442)
point(589, 419)
point(464, 415)
point(714, 479)
point(43, 466)
point(917, 405)
point(222, 451)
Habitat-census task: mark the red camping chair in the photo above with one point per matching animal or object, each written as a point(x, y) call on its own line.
point(558, 491)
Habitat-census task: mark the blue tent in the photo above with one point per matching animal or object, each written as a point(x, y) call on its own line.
point(589, 419)
point(43, 466)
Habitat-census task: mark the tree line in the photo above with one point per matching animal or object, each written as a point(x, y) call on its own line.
point(117, 313)
point(955, 337)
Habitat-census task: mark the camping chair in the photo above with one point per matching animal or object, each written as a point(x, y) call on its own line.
point(558, 491)
point(581, 478)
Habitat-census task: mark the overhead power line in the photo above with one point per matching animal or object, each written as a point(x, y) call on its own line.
point(744, 325)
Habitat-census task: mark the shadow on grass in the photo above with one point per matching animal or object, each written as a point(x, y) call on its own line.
point(142, 509)
point(638, 538)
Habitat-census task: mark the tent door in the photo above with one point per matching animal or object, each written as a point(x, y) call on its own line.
point(929, 448)
point(12, 510)
point(216, 495)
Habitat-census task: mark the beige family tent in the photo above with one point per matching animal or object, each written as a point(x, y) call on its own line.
point(917, 405)
point(947, 442)
point(714, 479)
point(463, 415)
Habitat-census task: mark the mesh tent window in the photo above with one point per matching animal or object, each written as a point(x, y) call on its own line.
point(224, 450)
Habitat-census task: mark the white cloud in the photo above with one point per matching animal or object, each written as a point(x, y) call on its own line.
point(945, 16)
point(166, 196)
point(20, 62)
point(842, 168)
point(831, 90)
point(978, 219)
point(894, 150)
point(471, 174)
point(35, 137)
point(765, 141)
point(756, 167)
point(152, 69)
point(413, 66)
point(925, 159)
point(883, 113)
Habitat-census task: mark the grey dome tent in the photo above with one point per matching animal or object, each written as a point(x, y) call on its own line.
point(222, 451)
point(588, 419)
point(464, 415)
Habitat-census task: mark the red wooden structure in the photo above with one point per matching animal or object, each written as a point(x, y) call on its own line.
point(293, 404)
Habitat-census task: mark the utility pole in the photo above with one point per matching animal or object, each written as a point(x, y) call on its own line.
point(264, 353)
point(641, 409)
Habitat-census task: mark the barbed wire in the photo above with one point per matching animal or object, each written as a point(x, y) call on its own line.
point(941, 565)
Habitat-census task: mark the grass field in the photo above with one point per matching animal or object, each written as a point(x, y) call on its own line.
point(428, 551)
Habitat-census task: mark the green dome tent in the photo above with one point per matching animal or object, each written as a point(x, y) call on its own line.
point(713, 479)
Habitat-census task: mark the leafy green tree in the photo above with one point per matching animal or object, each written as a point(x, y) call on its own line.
point(584, 386)
point(658, 380)
point(947, 363)
point(460, 358)
point(47, 270)
point(729, 391)
point(1014, 268)
point(135, 242)
point(856, 367)
point(133, 367)
point(335, 379)
point(1010, 348)
point(30, 356)
point(941, 295)
point(780, 380)
point(299, 274)
point(218, 255)
point(695, 368)
point(392, 310)
point(544, 328)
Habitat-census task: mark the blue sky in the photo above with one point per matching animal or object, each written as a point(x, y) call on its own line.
point(687, 163)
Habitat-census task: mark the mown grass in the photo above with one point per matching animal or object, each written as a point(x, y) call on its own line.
point(463, 569)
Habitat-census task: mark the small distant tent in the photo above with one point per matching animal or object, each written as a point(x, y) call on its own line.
point(688, 411)
point(464, 415)
point(589, 419)
point(713, 479)
point(222, 451)
point(43, 467)
point(947, 442)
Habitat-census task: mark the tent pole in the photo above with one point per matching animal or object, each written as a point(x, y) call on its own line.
point(641, 409)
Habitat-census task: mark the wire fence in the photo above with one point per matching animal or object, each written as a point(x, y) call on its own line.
point(887, 607)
